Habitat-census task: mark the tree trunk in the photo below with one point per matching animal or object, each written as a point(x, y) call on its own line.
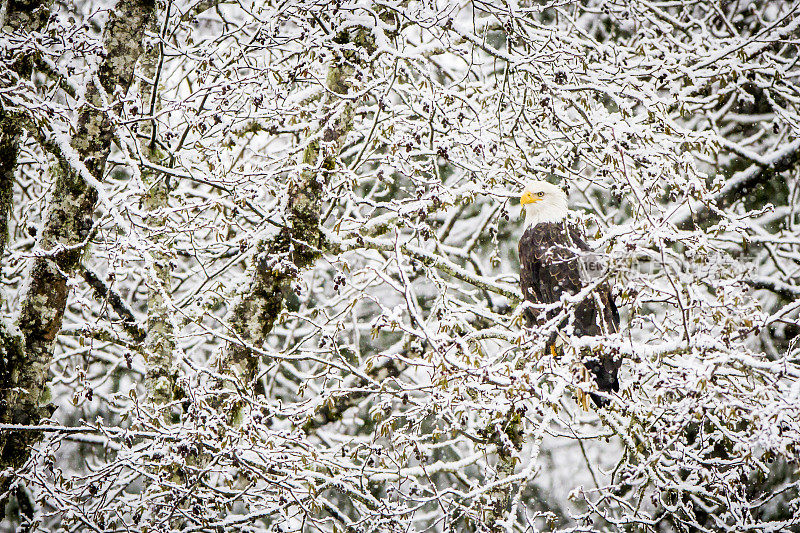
point(67, 229)
point(281, 259)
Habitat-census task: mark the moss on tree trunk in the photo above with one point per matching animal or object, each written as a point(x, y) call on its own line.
point(67, 228)
point(280, 260)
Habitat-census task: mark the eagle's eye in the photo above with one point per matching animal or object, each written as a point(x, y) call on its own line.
point(540, 194)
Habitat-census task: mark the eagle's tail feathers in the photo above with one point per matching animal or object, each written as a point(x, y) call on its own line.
point(605, 372)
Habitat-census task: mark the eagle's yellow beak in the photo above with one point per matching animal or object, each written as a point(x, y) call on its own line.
point(528, 198)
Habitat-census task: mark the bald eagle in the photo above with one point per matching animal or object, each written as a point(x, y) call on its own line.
point(555, 260)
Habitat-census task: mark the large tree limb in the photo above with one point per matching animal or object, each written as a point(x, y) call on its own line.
point(20, 16)
point(67, 224)
point(334, 410)
point(281, 259)
point(160, 341)
point(10, 134)
point(784, 290)
point(741, 183)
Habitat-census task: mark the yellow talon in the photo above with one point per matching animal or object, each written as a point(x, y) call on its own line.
point(581, 395)
point(583, 399)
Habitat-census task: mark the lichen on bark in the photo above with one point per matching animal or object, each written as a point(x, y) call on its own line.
point(279, 261)
point(10, 134)
point(68, 223)
point(160, 340)
point(509, 437)
point(20, 16)
point(28, 15)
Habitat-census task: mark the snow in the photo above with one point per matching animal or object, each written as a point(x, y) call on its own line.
point(396, 387)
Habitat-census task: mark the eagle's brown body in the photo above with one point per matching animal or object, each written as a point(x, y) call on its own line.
point(554, 259)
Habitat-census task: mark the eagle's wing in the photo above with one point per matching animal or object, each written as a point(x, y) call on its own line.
point(547, 265)
point(550, 262)
point(554, 258)
point(602, 317)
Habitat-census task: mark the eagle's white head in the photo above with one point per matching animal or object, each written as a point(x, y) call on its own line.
point(543, 202)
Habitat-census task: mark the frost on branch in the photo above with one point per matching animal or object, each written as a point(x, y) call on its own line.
point(298, 240)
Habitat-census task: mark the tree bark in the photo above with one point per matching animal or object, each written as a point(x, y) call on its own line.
point(280, 260)
point(21, 16)
point(67, 228)
point(160, 340)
